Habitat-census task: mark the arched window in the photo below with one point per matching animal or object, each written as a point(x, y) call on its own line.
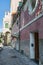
point(42, 4)
point(32, 4)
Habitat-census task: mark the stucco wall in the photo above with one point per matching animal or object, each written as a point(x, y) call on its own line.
point(26, 18)
point(34, 27)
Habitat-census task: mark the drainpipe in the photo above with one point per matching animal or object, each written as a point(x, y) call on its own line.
point(19, 33)
point(19, 12)
point(18, 24)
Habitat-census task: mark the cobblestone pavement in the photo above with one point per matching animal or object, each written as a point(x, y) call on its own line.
point(9, 56)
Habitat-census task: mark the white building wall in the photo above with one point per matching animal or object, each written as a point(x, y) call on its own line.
point(7, 19)
point(14, 5)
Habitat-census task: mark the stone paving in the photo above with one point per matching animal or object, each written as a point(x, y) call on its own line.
point(9, 56)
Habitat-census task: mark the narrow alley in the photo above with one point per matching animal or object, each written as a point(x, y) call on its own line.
point(21, 32)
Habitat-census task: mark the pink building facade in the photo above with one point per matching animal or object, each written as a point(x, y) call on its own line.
point(31, 32)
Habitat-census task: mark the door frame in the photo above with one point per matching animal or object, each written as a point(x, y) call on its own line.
point(33, 43)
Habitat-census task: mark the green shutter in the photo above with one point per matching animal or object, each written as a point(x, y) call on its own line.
point(6, 25)
point(20, 3)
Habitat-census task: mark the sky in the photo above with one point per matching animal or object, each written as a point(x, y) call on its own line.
point(4, 7)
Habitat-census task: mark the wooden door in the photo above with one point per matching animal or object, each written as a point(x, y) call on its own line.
point(36, 46)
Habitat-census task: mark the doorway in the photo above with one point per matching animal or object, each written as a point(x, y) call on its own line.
point(34, 46)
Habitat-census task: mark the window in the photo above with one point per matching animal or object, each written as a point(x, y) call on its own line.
point(32, 4)
point(6, 25)
point(42, 4)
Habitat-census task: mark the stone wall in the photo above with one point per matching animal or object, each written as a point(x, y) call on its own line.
point(41, 51)
point(24, 45)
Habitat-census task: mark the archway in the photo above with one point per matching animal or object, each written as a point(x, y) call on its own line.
point(7, 38)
